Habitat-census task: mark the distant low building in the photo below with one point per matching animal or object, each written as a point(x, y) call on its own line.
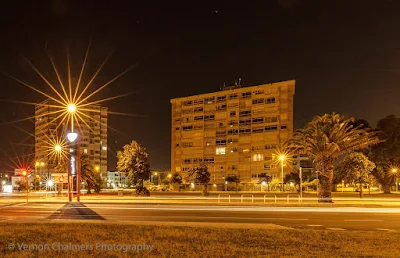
point(117, 179)
point(306, 165)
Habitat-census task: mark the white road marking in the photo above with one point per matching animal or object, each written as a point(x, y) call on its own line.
point(363, 220)
point(314, 225)
point(339, 229)
point(386, 229)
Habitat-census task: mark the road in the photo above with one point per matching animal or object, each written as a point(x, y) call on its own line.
point(331, 218)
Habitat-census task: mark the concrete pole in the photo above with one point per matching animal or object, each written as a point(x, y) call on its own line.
point(301, 182)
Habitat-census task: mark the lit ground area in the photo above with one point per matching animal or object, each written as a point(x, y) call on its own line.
point(185, 240)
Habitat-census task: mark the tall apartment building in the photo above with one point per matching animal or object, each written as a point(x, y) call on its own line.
point(92, 136)
point(235, 131)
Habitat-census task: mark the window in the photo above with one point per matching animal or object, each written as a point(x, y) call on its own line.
point(104, 148)
point(198, 109)
point(187, 103)
point(209, 100)
point(258, 101)
point(221, 124)
point(271, 119)
point(232, 113)
point(233, 123)
point(187, 128)
point(220, 142)
point(177, 119)
point(187, 161)
point(221, 107)
point(256, 147)
point(268, 166)
point(270, 146)
point(198, 127)
point(246, 150)
point(209, 117)
point(233, 96)
point(245, 113)
point(233, 132)
point(283, 127)
point(258, 92)
point(187, 119)
point(85, 151)
point(220, 151)
point(187, 111)
point(271, 128)
point(208, 159)
point(187, 144)
point(185, 169)
point(197, 102)
point(233, 150)
point(258, 130)
point(258, 157)
point(221, 133)
point(270, 100)
point(176, 128)
point(246, 94)
point(258, 120)
point(244, 122)
point(221, 98)
point(232, 140)
point(197, 118)
point(245, 131)
point(197, 160)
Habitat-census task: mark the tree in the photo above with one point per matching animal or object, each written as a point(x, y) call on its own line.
point(356, 167)
point(324, 140)
point(134, 159)
point(176, 179)
point(87, 172)
point(201, 176)
point(386, 154)
point(233, 179)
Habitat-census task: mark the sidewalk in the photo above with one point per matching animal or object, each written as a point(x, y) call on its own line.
point(293, 201)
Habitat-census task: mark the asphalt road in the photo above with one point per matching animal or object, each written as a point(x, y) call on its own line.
point(332, 218)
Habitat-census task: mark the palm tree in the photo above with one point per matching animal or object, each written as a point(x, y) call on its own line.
point(326, 138)
point(87, 172)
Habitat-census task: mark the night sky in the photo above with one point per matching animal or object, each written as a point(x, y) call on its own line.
point(344, 55)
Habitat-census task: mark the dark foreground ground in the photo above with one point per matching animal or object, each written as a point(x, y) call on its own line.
point(94, 239)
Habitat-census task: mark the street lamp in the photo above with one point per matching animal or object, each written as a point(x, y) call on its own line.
point(282, 158)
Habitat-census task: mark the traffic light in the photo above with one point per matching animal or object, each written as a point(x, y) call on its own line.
point(24, 173)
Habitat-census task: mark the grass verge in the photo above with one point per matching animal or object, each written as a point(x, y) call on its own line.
point(189, 241)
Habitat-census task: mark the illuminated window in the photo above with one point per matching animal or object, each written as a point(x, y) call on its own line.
point(104, 148)
point(85, 151)
point(220, 151)
point(258, 157)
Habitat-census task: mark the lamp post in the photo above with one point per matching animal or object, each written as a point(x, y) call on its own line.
point(282, 158)
point(72, 166)
point(394, 171)
point(301, 182)
point(25, 174)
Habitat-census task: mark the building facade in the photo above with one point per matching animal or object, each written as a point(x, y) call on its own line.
point(117, 179)
point(305, 163)
point(49, 130)
point(235, 131)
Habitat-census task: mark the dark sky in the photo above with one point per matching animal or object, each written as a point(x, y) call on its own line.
point(345, 56)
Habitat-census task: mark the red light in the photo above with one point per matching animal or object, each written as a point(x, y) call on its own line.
point(24, 173)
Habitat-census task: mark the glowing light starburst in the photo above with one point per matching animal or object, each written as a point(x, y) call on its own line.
point(70, 101)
